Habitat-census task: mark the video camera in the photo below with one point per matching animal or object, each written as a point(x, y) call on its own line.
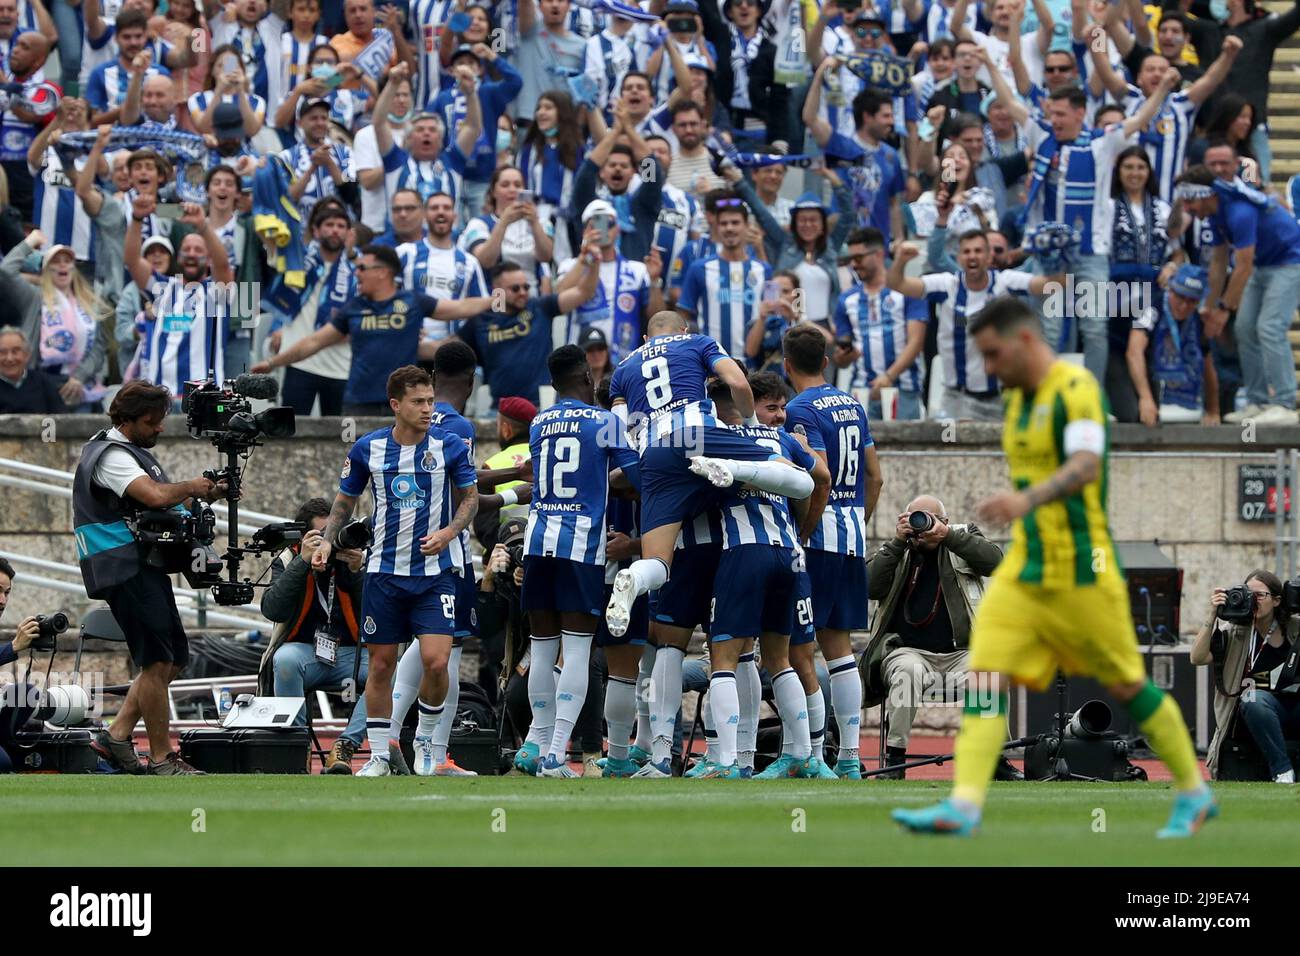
point(224, 415)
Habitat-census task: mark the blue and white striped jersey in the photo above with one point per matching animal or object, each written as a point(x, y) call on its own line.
point(751, 516)
point(294, 56)
point(664, 382)
point(573, 447)
point(321, 184)
point(835, 424)
point(1166, 138)
point(426, 177)
point(59, 212)
point(725, 297)
point(186, 337)
point(672, 231)
point(878, 322)
point(446, 418)
point(412, 486)
point(963, 366)
point(428, 18)
point(1070, 182)
point(704, 528)
point(450, 273)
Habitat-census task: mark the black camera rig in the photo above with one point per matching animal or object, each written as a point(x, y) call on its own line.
point(224, 415)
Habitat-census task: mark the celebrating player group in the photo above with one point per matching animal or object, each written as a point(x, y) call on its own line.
point(741, 505)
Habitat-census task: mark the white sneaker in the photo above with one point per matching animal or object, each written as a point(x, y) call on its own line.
point(1275, 415)
point(449, 769)
point(717, 474)
point(424, 764)
point(375, 767)
point(554, 768)
point(619, 611)
point(1288, 777)
point(1250, 411)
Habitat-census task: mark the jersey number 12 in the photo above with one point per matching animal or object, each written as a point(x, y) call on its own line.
point(560, 457)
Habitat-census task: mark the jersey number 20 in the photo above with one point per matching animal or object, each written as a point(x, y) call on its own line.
point(560, 458)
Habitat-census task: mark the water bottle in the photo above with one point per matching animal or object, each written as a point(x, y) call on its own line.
point(225, 702)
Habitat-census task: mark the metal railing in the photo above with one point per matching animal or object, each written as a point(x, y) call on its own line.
point(191, 603)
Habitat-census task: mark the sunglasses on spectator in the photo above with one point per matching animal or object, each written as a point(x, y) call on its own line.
point(729, 204)
point(874, 32)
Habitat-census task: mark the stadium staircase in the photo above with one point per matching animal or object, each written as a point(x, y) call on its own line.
point(1284, 126)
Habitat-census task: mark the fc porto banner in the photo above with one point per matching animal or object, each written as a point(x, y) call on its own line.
point(882, 71)
point(374, 59)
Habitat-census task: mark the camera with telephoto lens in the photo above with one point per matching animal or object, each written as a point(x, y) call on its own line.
point(354, 536)
point(920, 521)
point(51, 626)
point(1239, 605)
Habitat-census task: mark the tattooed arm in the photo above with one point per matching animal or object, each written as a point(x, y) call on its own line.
point(1079, 469)
point(466, 500)
point(339, 515)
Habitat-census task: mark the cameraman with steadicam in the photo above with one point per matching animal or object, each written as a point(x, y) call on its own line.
point(116, 479)
point(1250, 638)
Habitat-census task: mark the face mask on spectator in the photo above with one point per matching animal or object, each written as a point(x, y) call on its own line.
point(504, 139)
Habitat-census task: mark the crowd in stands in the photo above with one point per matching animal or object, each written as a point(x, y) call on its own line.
point(339, 187)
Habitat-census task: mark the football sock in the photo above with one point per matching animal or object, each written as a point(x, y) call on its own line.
point(377, 737)
point(790, 699)
point(430, 718)
point(541, 689)
point(726, 714)
point(1159, 718)
point(620, 714)
point(774, 476)
point(570, 689)
point(406, 688)
point(665, 700)
point(749, 689)
point(817, 722)
point(442, 733)
point(644, 735)
point(846, 700)
point(710, 739)
point(979, 745)
point(649, 574)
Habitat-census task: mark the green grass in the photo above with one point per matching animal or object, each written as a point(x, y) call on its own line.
point(82, 820)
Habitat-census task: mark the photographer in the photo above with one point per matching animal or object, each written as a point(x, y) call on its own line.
point(1250, 639)
point(116, 479)
point(314, 643)
point(13, 697)
point(928, 579)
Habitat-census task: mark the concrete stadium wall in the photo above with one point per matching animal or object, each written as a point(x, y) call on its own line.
point(1177, 485)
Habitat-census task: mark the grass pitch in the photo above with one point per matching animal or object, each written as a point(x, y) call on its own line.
point(303, 821)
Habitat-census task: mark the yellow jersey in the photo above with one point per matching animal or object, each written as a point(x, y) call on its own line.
point(1064, 543)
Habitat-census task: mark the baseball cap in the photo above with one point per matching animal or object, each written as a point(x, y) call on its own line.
point(682, 6)
point(227, 122)
point(1189, 281)
point(599, 207)
point(696, 62)
point(593, 338)
point(158, 241)
point(312, 102)
point(517, 409)
point(464, 49)
point(48, 255)
point(866, 16)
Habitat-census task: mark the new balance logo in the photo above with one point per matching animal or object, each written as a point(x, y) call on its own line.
point(733, 719)
point(564, 697)
point(78, 910)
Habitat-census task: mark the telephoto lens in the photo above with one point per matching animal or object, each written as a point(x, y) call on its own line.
point(354, 535)
point(921, 521)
